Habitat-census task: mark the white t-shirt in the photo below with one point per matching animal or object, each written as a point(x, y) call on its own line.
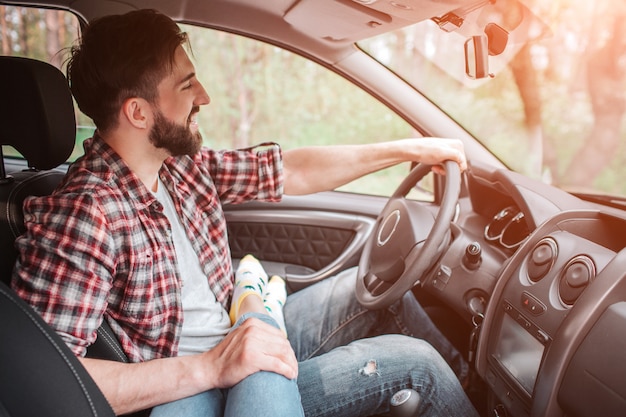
point(205, 321)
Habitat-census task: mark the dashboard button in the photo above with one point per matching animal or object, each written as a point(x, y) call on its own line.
point(542, 336)
point(532, 305)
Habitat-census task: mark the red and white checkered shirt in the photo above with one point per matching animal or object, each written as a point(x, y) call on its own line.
point(100, 246)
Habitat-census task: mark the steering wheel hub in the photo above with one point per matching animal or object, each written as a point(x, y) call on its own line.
point(408, 241)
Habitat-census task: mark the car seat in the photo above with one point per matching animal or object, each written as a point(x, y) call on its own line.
point(37, 119)
point(39, 374)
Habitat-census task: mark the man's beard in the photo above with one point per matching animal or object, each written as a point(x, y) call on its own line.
point(176, 139)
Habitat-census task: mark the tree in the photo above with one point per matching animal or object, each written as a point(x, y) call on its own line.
point(4, 32)
point(606, 76)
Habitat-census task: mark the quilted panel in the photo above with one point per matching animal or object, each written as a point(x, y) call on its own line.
point(310, 246)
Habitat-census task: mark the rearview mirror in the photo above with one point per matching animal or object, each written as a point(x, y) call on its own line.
point(478, 49)
point(477, 57)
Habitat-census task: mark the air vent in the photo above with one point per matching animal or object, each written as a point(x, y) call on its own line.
point(576, 276)
point(541, 259)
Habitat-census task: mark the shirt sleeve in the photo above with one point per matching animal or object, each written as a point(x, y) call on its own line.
point(63, 270)
point(254, 173)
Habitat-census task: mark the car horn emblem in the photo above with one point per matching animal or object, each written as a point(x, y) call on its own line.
point(388, 227)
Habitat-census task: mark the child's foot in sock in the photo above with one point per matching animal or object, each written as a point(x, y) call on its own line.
point(274, 300)
point(250, 279)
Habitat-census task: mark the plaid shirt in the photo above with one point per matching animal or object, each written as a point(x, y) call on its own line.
point(100, 246)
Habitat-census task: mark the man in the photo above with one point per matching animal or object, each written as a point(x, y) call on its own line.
point(136, 236)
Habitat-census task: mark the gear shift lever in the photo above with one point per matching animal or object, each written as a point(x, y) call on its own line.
point(405, 403)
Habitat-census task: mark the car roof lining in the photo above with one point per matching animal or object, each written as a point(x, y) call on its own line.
point(334, 23)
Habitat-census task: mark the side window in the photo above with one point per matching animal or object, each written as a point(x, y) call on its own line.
point(42, 34)
point(260, 93)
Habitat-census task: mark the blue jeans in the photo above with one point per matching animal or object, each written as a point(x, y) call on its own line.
point(263, 394)
point(352, 360)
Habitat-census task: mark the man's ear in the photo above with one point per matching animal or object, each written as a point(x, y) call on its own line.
point(136, 111)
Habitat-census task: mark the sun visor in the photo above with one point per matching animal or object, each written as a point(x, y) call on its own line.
point(352, 20)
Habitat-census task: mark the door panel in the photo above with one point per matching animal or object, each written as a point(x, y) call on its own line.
point(304, 239)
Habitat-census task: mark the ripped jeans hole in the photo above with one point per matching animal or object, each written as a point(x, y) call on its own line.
point(370, 368)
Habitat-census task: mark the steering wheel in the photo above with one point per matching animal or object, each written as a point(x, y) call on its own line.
point(407, 241)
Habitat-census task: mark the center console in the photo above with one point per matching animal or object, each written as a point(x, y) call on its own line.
point(523, 326)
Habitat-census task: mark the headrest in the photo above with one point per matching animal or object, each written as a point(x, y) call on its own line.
point(36, 111)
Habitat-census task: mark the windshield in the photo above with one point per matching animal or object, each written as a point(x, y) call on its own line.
point(555, 106)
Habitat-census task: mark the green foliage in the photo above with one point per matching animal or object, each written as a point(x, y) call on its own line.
point(285, 97)
point(262, 93)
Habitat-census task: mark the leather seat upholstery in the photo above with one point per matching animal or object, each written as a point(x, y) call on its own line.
point(40, 376)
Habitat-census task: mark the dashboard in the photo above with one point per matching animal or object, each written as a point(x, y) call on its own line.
point(542, 275)
point(538, 272)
